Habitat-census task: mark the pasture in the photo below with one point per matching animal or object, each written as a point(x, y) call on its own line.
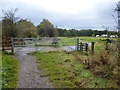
point(99, 42)
point(68, 69)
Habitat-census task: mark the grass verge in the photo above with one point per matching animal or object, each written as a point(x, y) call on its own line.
point(9, 71)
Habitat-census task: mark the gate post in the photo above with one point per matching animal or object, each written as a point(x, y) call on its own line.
point(2, 44)
point(86, 47)
point(77, 43)
point(36, 40)
point(92, 47)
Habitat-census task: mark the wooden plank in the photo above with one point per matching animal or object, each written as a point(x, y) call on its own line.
point(23, 38)
point(6, 41)
point(6, 45)
point(6, 37)
point(7, 48)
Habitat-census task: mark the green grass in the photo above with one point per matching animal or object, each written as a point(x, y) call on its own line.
point(99, 41)
point(68, 41)
point(9, 71)
point(66, 72)
point(95, 39)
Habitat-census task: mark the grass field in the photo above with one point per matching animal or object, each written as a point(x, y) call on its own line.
point(87, 39)
point(68, 41)
point(99, 41)
point(9, 71)
point(65, 71)
point(94, 39)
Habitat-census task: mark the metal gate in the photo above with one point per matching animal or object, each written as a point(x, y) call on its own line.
point(44, 44)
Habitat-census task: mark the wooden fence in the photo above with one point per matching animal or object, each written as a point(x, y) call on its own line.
point(84, 46)
point(6, 43)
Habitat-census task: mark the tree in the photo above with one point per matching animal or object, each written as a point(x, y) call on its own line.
point(26, 29)
point(9, 23)
point(61, 32)
point(73, 32)
point(1, 28)
point(67, 33)
point(46, 28)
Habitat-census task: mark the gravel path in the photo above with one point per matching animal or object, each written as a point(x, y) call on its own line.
point(29, 75)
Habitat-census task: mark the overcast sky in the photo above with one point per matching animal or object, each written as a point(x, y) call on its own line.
point(75, 14)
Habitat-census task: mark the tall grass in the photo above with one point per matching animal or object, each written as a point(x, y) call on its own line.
point(103, 63)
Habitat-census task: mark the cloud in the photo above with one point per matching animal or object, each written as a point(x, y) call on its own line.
point(69, 13)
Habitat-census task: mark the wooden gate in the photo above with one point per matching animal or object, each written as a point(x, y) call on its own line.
point(82, 46)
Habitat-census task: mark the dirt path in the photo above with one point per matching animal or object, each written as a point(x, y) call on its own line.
point(29, 75)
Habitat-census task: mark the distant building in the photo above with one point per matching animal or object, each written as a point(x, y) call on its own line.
point(112, 36)
point(97, 35)
point(104, 35)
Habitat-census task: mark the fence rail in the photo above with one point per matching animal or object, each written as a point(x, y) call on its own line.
point(42, 41)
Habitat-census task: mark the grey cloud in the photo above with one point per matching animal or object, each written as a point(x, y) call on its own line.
point(85, 19)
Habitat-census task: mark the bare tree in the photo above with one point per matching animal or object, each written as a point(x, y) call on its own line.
point(9, 23)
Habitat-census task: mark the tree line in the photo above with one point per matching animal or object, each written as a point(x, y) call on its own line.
point(13, 26)
point(88, 32)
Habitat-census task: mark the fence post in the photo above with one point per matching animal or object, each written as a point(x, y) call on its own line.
point(77, 43)
point(36, 39)
point(92, 47)
point(81, 46)
point(12, 42)
point(86, 47)
point(3, 44)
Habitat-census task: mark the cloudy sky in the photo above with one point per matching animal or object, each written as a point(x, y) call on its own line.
point(76, 14)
